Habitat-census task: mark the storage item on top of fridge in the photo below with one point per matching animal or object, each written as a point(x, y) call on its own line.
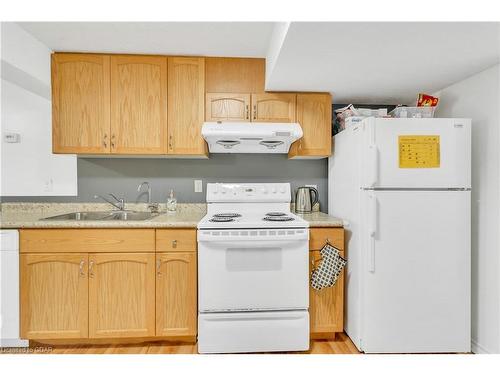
point(412, 112)
point(349, 115)
point(426, 100)
point(403, 187)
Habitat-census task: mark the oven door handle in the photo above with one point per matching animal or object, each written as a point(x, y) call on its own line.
point(227, 245)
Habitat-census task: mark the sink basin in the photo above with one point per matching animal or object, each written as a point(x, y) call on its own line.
point(104, 215)
point(130, 215)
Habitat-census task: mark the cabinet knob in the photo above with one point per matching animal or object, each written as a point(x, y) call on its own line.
point(170, 142)
point(82, 264)
point(91, 268)
point(247, 112)
point(255, 112)
point(174, 243)
point(158, 267)
point(105, 142)
point(113, 141)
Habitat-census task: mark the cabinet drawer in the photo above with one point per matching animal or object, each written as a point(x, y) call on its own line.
point(168, 240)
point(86, 240)
point(319, 236)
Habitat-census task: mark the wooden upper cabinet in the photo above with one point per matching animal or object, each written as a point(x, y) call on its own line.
point(227, 107)
point(186, 105)
point(235, 75)
point(314, 114)
point(121, 295)
point(176, 309)
point(54, 296)
point(270, 107)
point(80, 103)
point(138, 104)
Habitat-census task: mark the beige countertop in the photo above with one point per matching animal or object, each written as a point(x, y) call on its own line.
point(29, 215)
point(320, 219)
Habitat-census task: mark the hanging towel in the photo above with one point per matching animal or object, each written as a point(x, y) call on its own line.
point(327, 273)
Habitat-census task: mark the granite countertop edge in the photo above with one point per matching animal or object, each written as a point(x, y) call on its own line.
point(189, 215)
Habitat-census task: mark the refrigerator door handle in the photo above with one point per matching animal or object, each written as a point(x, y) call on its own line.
point(373, 165)
point(372, 232)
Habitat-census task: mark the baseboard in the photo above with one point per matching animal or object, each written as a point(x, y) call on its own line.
point(478, 348)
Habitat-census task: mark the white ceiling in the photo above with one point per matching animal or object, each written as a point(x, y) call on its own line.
point(239, 39)
point(358, 62)
point(382, 62)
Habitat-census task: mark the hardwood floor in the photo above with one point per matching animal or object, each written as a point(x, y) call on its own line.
point(340, 345)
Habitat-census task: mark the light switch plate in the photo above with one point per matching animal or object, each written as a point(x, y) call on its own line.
point(198, 186)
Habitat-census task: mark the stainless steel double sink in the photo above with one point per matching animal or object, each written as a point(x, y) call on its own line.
point(104, 215)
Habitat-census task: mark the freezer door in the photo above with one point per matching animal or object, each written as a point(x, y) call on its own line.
point(417, 272)
point(416, 153)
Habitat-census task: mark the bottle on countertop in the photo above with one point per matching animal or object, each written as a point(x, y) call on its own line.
point(171, 202)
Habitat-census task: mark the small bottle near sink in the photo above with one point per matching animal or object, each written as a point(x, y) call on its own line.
point(171, 202)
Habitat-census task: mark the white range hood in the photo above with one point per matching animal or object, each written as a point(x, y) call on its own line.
point(250, 137)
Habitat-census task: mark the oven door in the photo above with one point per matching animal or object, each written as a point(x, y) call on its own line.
point(247, 270)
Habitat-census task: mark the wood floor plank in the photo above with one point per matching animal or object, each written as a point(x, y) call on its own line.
point(340, 345)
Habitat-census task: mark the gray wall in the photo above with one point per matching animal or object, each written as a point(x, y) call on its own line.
point(121, 176)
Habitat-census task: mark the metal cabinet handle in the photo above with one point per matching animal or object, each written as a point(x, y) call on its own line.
point(170, 142)
point(247, 112)
point(113, 141)
point(105, 143)
point(255, 112)
point(158, 267)
point(82, 263)
point(174, 243)
point(91, 268)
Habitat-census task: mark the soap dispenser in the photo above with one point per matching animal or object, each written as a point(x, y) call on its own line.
point(171, 202)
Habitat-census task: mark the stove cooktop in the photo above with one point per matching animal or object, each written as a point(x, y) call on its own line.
point(229, 220)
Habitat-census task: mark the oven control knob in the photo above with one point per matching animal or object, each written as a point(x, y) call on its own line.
point(282, 190)
point(273, 190)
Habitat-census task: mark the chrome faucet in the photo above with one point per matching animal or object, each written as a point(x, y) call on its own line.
point(145, 183)
point(120, 202)
point(152, 206)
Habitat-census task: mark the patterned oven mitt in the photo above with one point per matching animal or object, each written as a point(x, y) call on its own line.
point(327, 273)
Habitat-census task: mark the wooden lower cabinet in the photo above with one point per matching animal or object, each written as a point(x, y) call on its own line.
point(176, 296)
point(121, 295)
point(115, 295)
point(326, 307)
point(54, 295)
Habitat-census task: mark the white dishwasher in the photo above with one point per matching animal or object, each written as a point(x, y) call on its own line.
point(9, 290)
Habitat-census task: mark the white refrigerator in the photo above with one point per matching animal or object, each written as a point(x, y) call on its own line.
point(403, 188)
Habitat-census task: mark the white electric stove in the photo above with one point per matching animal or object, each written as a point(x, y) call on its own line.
point(253, 271)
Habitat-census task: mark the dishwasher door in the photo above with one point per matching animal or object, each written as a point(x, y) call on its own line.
point(256, 269)
point(9, 290)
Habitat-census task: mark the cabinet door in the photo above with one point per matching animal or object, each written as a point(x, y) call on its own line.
point(80, 103)
point(314, 114)
point(176, 309)
point(186, 105)
point(227, 107)
point(121, 295)
point(273, 107)
point(54, 296)
point(138, 104)
point(326, 307)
